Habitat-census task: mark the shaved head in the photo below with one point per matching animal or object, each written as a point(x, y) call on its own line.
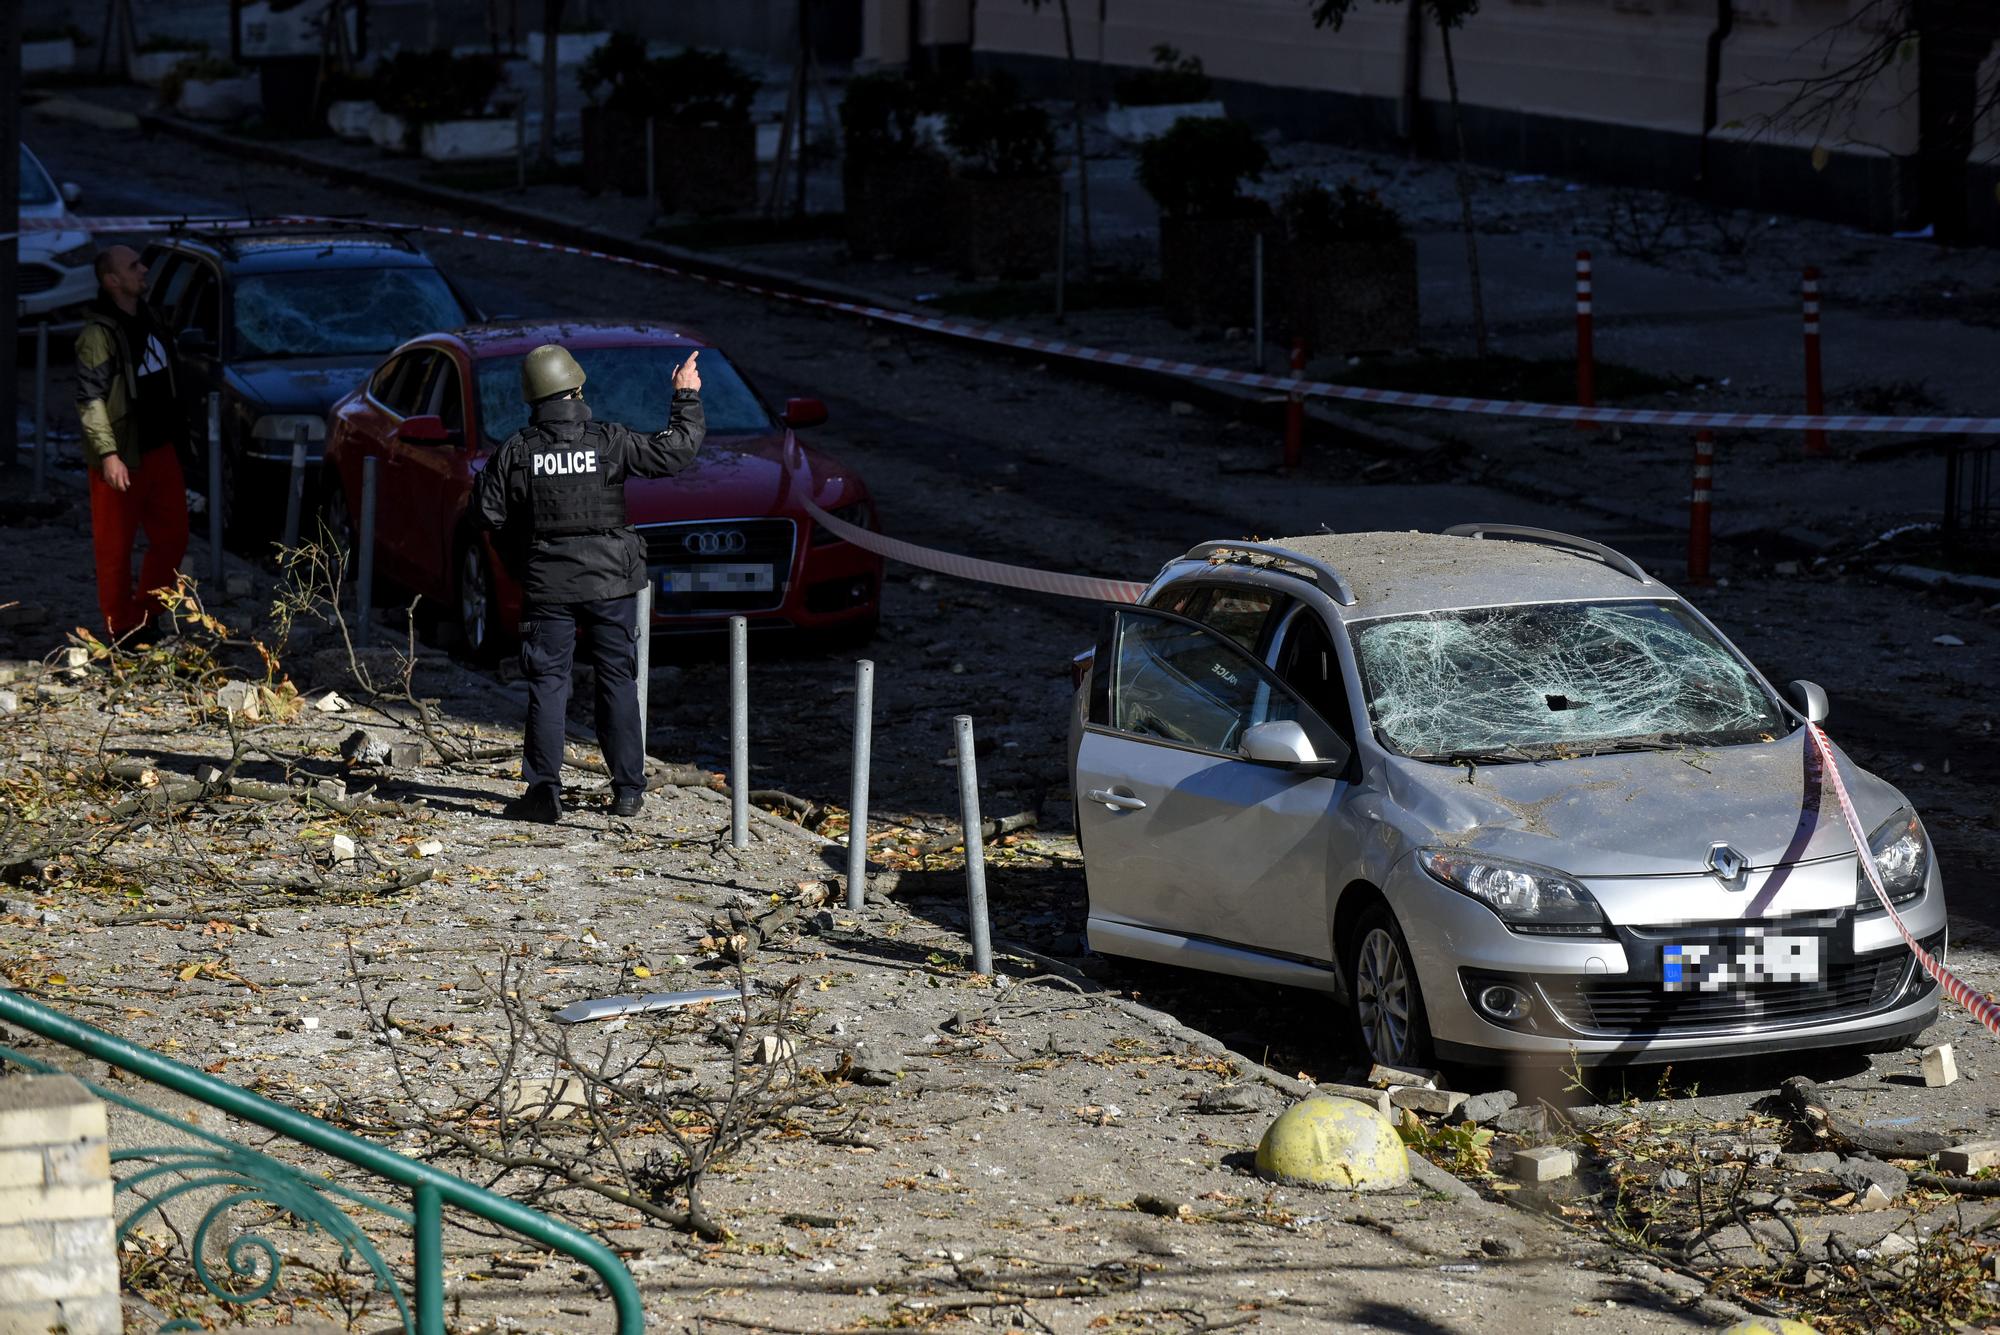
point(121, 275)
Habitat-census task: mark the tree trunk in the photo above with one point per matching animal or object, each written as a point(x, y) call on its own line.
point(1464, 194)
point(551, 26)
point(1076, 120)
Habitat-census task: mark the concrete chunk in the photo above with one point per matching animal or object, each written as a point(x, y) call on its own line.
point(1378, 1099)
point(1940, 1067)
point(10, 702)
point(405, 755)
point(343, 848)
point(1486, 1107)
point(1963, 1160)
point(1390, 1075)
point(1437, 1102)
point(1546, 1164)
point(239, 699)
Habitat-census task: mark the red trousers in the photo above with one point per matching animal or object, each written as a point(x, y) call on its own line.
point(156, 503)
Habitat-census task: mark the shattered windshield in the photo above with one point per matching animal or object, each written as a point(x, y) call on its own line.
point(632, 385)
point(36, 188)
point(1556, 679)
point(336, 312)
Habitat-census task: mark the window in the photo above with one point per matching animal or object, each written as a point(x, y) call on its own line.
point(1178, 682)
point(167, 283)
point(385, 376)
point(341, 310)
point(200, 305)
point(1308, 663)
point(631, 385)
point(36, 187)
point(401, 388)
point(1240, 612)
point(446, 399)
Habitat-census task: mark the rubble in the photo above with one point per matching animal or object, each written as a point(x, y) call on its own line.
point(1437, 1102)
point(1385, 1076)
point(343, 848)
point(239, 699)
point(1546, 1164)
point(1940, 1067)
point(1484, 1108)
point(1969, 1158)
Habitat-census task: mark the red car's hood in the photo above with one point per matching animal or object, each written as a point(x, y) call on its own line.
point(735, 477)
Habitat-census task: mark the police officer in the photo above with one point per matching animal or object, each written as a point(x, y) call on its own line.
point(555, 491)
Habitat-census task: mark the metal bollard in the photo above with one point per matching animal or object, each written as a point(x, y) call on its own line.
point(643, 671)
point(295, 490)
point(857, 802)
point(1586, 345)
point(1698, 508)
point(41, 411)
point(215, 490)
point(739, 733)
point(1257, 297)
point(1062, 254)
point(975, 850)
point(521, 146)
point(364, 585)
point(1816, 446)
point(1295, 410)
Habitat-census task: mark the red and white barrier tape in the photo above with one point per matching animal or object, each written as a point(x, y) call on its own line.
point(1320, 389)
point(986, 572)
point(1982, 1007)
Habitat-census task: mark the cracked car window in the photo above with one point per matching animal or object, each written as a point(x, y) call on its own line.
point(1572, 677)
point(336, 312)
point(1240, 614)
point(1179, 683)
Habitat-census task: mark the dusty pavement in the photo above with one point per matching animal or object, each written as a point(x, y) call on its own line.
point(998, 459)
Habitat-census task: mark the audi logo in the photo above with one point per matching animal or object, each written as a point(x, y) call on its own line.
point(715, 542)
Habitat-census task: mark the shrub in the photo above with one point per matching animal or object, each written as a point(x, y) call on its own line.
point(694, 87)
point(1173, 78)
point(619, 68)
point(996, 133)
point(878, 116)
point(162, 42)
point(195, 69)
point(427, 86)
point(1198, 167)
point(1317, 216)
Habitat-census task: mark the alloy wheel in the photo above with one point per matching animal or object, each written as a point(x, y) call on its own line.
point(1382, 994)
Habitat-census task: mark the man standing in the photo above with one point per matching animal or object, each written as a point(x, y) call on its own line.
point(556, 490)
point(132, 421)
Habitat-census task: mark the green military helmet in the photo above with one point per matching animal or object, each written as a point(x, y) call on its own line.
point(549, 370)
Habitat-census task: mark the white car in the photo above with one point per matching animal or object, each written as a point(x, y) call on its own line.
point(55, 271)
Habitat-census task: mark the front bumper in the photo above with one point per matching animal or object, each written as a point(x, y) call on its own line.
point(822, 587)
point(1601, 999)
point(46, 287)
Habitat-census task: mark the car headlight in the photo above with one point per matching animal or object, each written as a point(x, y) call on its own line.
point(1903, 857)
point(1527, 898)
point(76, 256)
point(285, 427)
point(858, 514)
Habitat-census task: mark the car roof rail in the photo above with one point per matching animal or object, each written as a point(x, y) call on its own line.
point(1617, 560)
point(1321, 571)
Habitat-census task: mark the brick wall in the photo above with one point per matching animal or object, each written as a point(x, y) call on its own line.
point(58, 1263)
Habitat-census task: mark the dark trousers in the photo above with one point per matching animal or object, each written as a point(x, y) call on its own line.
point(549, 634)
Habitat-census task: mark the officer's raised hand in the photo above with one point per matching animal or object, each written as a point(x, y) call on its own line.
point(687, 375)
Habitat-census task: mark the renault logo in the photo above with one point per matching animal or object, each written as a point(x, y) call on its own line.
point(1727, 864)
point(715, 542)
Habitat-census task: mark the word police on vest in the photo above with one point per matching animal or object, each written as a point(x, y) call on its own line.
point(556, 463)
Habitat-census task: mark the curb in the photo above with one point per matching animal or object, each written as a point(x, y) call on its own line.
point(1246, 403)
point(1926, 577)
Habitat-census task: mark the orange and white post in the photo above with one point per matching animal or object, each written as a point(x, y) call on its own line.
point(1816, 446)
point(1698, 507)
point(1586, 353)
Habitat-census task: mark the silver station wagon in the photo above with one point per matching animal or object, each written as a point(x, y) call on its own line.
point(1498, 790)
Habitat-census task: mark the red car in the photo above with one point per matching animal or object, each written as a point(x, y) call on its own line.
point(729, 536)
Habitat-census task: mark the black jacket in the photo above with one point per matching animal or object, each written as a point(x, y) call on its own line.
point(589, 566)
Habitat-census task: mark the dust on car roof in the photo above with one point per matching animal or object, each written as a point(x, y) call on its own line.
point(1396, 573)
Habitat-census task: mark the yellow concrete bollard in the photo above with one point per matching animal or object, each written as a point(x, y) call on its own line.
point(1770, 1325)
point(1325, 1142)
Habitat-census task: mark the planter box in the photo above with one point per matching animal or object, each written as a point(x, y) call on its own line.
point(387, 131)
point(893, 206)
point(150, 67)
point(572, 48)
point(57, 56)
point(466, 140)
point(1134, 124)
point(219, 99)
point(1007, 228)
point(705, 168)
point(1355, 296)
point(1207, 269)
point(350, 120)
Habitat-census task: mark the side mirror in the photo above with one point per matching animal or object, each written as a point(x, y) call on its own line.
point(1808, 699)
point(1284, 742)
point(801, 413)
point(425, 429)
point(71, 192)
point(194, 342)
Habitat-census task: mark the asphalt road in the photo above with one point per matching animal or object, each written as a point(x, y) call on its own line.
point(1005, 460)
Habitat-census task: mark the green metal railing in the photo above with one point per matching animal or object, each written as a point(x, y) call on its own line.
point(215, 1163)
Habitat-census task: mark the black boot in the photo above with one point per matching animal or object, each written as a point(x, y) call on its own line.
point(628, 804)
point(539, 804)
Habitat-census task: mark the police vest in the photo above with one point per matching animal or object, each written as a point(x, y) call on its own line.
point(570, 488)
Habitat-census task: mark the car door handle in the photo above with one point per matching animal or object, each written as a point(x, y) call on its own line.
point(1117, 801)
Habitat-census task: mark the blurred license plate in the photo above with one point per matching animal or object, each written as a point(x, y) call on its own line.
point(1755, 958)
point(716, 579)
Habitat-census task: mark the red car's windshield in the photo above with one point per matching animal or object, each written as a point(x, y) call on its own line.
point(629, 385)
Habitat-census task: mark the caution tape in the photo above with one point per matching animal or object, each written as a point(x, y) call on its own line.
point(977, 333)
point(1982, 1007)
point(986, 572)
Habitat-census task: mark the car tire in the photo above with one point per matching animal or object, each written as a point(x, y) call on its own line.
point(1390, 1022)
point(337, 523)
point(470, 621)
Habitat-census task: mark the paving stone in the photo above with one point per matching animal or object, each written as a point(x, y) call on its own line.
point(1962, 1160)
point(1546, 1164)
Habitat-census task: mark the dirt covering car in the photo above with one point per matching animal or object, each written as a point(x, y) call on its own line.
point(1500, 791)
